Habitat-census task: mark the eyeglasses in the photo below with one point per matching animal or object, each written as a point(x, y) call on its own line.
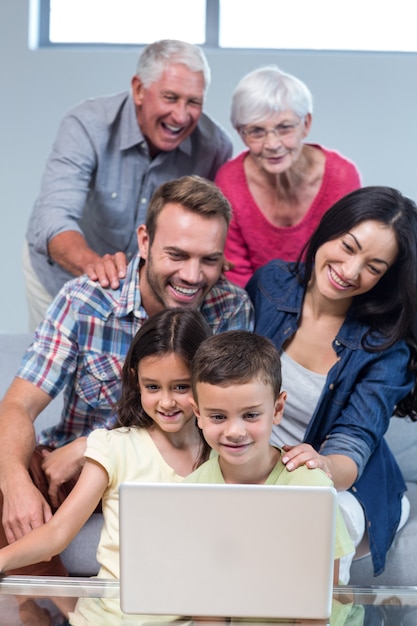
point(258, 133)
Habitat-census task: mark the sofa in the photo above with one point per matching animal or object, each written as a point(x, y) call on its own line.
point(400, 570)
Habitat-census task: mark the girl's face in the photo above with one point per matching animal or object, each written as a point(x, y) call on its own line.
point(353, 263)
point(165, 389)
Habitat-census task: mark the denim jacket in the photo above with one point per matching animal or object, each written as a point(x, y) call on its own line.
point(356, 403)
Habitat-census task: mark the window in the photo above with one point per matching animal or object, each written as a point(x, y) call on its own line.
point(358, 25)
point(115, 22)
point(378, 25)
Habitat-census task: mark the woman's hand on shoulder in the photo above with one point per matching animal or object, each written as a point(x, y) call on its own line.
point(304, 454)
point(341, 469)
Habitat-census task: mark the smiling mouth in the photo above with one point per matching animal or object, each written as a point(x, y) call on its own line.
point(274, 157)
point(175, 130)
point(336, 279)
point(169, 415)
point(236, 446)
point(188, 292)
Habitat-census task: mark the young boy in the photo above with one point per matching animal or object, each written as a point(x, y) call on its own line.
point(236, 380)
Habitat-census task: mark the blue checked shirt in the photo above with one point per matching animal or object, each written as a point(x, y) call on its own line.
point(81, 345)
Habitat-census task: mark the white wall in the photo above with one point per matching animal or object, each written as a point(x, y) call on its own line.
point(365, 107)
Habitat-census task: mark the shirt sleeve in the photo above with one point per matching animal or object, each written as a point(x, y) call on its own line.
point(99, 449)
point(51, 360)
point(65, 183)
point(369, 403)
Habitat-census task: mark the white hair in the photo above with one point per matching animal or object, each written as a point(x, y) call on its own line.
point(157, 56)
point(266, 91)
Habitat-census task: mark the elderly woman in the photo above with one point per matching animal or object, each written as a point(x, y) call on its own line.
point(280, 187)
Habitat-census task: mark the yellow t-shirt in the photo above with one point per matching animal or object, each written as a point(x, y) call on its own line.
point(127, 455)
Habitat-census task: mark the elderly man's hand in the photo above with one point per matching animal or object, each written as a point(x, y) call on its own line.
point(108, 270)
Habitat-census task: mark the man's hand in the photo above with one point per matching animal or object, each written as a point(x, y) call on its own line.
point(24, 509)
point(107, 270)
point(70, 250)
point(61, 465)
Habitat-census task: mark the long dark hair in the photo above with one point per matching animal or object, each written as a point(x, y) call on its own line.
point(389, 308)
point(172, 331)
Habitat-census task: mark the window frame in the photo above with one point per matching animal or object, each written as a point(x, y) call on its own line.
point(39, 26)
point(39, 20)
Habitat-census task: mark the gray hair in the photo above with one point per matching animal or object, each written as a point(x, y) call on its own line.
point(267, 91)
point(156, 57)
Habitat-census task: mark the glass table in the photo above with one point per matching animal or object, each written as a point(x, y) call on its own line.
point(37, 601)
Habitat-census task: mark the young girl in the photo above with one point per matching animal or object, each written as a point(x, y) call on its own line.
point(345, 324)
point(156, 439)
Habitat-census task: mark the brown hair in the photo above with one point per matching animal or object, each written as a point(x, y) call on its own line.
point(193, 193)
point(236, 357)
point(171, 331)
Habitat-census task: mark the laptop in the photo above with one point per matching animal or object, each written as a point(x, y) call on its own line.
point(255, 551)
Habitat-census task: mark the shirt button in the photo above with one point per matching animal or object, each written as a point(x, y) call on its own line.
point(337, 342)
point(354, 489)
point(143, 200)
point(114, 194)
point(331, 386)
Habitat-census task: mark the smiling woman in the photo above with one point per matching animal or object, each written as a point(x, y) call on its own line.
point(353, 263)
point(344, 321)
point(281, 186)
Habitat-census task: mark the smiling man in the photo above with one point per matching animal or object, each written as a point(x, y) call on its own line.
point(82, 343)
point(110, 155)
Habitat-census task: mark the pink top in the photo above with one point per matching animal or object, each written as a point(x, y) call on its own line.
point(252, 240)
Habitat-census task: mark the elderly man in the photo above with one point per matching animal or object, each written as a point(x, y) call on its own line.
point(81, 345)
point(110, 155)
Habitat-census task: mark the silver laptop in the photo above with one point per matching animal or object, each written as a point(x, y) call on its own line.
point(254, 551)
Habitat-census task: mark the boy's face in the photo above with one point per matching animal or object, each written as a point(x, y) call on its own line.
point(237, 420)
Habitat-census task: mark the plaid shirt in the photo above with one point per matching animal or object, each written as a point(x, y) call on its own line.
point(81, 345)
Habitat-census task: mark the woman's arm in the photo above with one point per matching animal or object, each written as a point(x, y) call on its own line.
point(52, 538)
